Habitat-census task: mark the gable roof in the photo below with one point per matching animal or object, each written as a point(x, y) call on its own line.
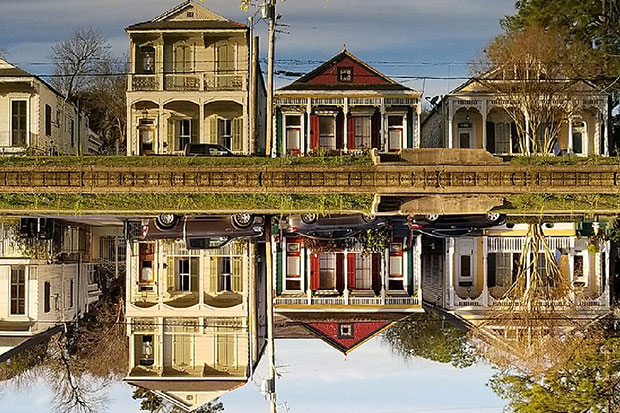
point(9, 70)
point(204, 19)
point(319, 78)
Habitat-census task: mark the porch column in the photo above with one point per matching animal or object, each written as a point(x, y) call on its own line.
point(159, 355)
point(159, 57)
point(450, 271)
point(384, 275)
point(203, 136)
point(450, 132)
point(607, 250)
point(302, 138)
point(247, 139)
point(308, 290)
point(605, 151)
point(597, 136)
point(418, 266)
point(417, 137)
point(132, 140)
point(306, 138)
point(570, 135)
point(383, 129)
point(485, 272)
point(201, 281)
point(484, 125)
point(345, 133)
point(346, 280)
point(158, 144)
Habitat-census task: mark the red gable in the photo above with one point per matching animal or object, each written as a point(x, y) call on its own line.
point(360, 75)
point(347, 336)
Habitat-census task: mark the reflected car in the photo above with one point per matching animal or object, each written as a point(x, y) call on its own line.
point(332, 227)
point(207, 149)
point(204, 232)
point(446, 226)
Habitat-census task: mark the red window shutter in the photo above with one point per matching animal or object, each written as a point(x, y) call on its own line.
point(314, 272)
point(351, 270)
point(351, 132)
point(340, 131)
point(314, 131)
point(340, 271)
point(376, 273)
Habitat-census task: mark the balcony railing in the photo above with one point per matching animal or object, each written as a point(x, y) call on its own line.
point(189, 82)
point(354, 301)
point(515, 244)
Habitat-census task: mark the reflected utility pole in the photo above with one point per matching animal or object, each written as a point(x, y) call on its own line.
point(268, 10)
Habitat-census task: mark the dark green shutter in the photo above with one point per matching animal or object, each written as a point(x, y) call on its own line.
point(490, 137)
point(279, 274)
point(410, 270)
point(279, 132)
point(410, 115)
point(491, 270)
point(514, 137)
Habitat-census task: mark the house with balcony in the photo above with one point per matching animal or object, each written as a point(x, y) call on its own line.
point(346, 279)
point(190, 83)
point(468, 276)
point(195, 318)
point(345, 106)
point(475, 116)
point(48, 276)
point(35, 118)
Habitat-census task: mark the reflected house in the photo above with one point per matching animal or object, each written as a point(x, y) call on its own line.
point(473, 116)
point(35, 117)
point(49, 274)
point(189, 83)
point(468, 275)
point(347, 279)
point(345, 106)
point(196, 318)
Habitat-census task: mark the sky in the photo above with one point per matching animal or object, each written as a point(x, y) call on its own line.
point(314, 377)
point(401, 38)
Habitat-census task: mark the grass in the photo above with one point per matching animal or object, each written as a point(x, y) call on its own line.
point(156, 203)
point(564, 160)
point(572, 203)
point(182, 161)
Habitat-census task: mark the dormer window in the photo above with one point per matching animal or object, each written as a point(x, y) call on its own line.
point(345, 74)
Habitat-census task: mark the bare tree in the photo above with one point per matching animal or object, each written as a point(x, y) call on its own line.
point(535, 74)
point(77, 60)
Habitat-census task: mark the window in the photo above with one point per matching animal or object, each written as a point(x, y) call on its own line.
point(184, 135)
point(225, 276)
point(327, 271)
point(182, 59)
point(48, 120)
point(465, 266)
point(363, 273)
point(362, 132)
point(579, 132)
point(19, 122)
point(293, 132)
point(18, 290)
point(47, 296)
point(72, 131)
point(346, 330)
point(345, 74)
point(71, 295)
point(190, 14)
point(327, 136)
point(225, 132)
point(579, 277)
point(395, 132)
point(112, 249)
point(184, 275)
point(147, 55)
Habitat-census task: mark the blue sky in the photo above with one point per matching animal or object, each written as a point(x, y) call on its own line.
point(433, 37)
point(315, 377)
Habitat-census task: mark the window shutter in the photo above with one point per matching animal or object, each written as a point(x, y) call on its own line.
point(491, 137)
point(171, 133)
point(351, 133)
point(194, 270)
point(314, 132)
point(410, 117)
point(375, 127)
point(213, 130)
point(213, 274)
point(237, 135)
point(237, 273)
point(279, 133)
point(340, 131)
point(193, 125)
point(340, 271)
point(170, 272)
point(314, 271)
point(376, 273)
point(351, 269)
point(491, 270)
point(514, 136)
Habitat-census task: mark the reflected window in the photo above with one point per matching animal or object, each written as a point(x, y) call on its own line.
point(327, 271)
point(18, 290)
point(293, 133)
point(327, 135)
point(346, 331)
point(363, 272)
point(184, 134)
point(47, 297)
point(579, 133)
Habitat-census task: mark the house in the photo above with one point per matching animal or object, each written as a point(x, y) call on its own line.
point(195, 318)
point(345, 106)
point(48, 275)
point(474, 116)
point(189, 83)
point(35, 118)
point(308, 279)
point(466, 276)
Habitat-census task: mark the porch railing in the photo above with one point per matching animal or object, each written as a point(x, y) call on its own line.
point(190, 82)
point(353, 301)
point(186, 82)
point(515, 244)
point(144, 82)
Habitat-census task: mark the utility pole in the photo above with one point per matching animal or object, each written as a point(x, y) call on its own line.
point(268, 10)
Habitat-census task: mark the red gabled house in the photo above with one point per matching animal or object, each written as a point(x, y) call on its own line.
point(345, 106)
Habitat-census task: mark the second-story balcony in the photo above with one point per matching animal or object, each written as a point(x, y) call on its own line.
point(189, 82)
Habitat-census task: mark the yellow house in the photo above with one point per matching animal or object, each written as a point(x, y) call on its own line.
point(189, 83)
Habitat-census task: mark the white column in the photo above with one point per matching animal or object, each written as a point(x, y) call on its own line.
point(159, 355)
point(383, 131)
point(450, 271)
point(302, 133)
point(570, 135)
point(306, 144)
point(417, 138)
point(203, 136)
point(133, 142)
point(484, 128)
point(384, 270)
point(308, 289)
point(346, 132)
point(158, 142)
point(418, 265)
point(450, 132)
point(346, 278)
point(605, 150)
point(485, 272)
point(201, 281)
point(597, 135)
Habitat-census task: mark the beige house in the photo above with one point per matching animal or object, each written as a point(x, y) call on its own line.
point(195, 318)
point(45, 282)
point(473, 116)
point(190, 83)
point(36, 118)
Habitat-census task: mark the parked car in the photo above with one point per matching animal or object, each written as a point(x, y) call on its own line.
point(312, 225)
point(445, 226)
point(203, 232)
point(207, 149)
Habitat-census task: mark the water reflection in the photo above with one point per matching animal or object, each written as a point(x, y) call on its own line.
point(96, 300)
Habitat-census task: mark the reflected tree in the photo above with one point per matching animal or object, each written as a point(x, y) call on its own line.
point(426, 336)
point(151, 402)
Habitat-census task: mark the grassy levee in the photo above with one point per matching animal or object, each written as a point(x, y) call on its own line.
point(567, 203)
point(570, 160)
